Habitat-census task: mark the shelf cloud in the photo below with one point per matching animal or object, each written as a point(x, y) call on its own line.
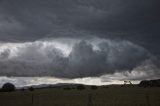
point(83, 58)
point(79, 38)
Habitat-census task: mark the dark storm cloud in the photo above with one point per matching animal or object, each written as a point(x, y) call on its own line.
point(122, 21)
point(137, 21)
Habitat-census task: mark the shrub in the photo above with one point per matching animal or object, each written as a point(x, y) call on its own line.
point(94, 87)
point(80, 87)
point(67, 88)
point(22, 89)
point(31, 89)
point(8, 87)
point(106, 87)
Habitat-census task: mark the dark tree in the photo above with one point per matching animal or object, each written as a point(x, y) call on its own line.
point(150, 83)
point(8, 87)
point(144, 83)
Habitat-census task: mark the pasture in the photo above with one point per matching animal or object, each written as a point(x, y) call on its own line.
point(103, 96)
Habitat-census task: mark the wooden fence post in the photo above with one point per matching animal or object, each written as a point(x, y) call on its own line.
point(90, 100)
point(32, 99)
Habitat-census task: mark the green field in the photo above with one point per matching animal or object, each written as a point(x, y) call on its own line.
point(111, 96)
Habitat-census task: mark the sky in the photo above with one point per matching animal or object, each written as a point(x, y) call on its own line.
point(79, 41)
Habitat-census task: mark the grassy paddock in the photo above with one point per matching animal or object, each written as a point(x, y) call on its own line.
point(111, 96)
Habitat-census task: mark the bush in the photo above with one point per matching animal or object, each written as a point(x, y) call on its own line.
point(31, 89)
point(67, 88)
point(150, 83)
point(105, 86)
point(94, 87)
point(22, 89)
point(8, 87)
point(80, 87)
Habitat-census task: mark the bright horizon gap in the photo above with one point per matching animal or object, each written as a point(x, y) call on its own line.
point(28, 81)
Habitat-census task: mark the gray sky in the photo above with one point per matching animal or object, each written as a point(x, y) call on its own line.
point(79, 38)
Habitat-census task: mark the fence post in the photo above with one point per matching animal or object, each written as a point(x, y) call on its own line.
point(90, 100)
point(32, 99)
point(147, 99)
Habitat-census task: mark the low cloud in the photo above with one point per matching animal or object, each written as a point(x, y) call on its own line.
point(86, 58)
point(147, 70)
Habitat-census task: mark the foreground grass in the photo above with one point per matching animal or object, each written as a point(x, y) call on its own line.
point(111, 96)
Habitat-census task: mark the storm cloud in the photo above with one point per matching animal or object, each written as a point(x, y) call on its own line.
point(86, 58)
point(136, 21)
point(78, 38)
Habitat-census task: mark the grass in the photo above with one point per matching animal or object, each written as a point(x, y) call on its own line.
point(111, 96)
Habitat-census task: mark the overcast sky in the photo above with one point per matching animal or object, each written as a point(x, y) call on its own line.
point(80, 39)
